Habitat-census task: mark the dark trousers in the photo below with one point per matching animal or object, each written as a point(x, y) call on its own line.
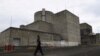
point(38, 48)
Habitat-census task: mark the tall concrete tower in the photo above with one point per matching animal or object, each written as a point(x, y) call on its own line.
point(44, 15)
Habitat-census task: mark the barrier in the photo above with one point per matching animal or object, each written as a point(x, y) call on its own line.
point(8, 48)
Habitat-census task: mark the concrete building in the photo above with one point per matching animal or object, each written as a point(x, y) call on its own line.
point(87, 36)
point(98, 38)
point(59, 29)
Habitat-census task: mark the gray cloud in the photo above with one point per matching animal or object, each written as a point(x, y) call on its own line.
point(22, 11)
point(94, 8)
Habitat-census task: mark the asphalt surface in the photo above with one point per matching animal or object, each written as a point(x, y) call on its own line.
point(59, 51)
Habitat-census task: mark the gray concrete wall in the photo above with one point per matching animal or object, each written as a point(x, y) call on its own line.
point(28, 37)
point(73, 27)
point(67, 24)
point(4, 37)
point(98, 38)
point(86, 28)
point(40, 26)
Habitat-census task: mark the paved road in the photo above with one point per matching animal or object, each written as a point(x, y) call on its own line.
point(68, 51)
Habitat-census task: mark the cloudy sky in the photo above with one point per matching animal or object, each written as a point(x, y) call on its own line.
point(22, 11)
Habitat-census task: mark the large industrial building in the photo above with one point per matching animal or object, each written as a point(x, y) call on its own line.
point(54, 29)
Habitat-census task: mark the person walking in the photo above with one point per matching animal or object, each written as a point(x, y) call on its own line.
point(38, 47)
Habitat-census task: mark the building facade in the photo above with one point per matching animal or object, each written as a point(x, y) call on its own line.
point(98, 38)
point(59, 29)
point(87, 36)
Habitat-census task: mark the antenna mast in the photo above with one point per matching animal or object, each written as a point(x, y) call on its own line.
point(65, 4)
point(10, 36)
point(43, 15)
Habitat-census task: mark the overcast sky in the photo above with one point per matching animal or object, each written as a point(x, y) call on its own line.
point(22, 11)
